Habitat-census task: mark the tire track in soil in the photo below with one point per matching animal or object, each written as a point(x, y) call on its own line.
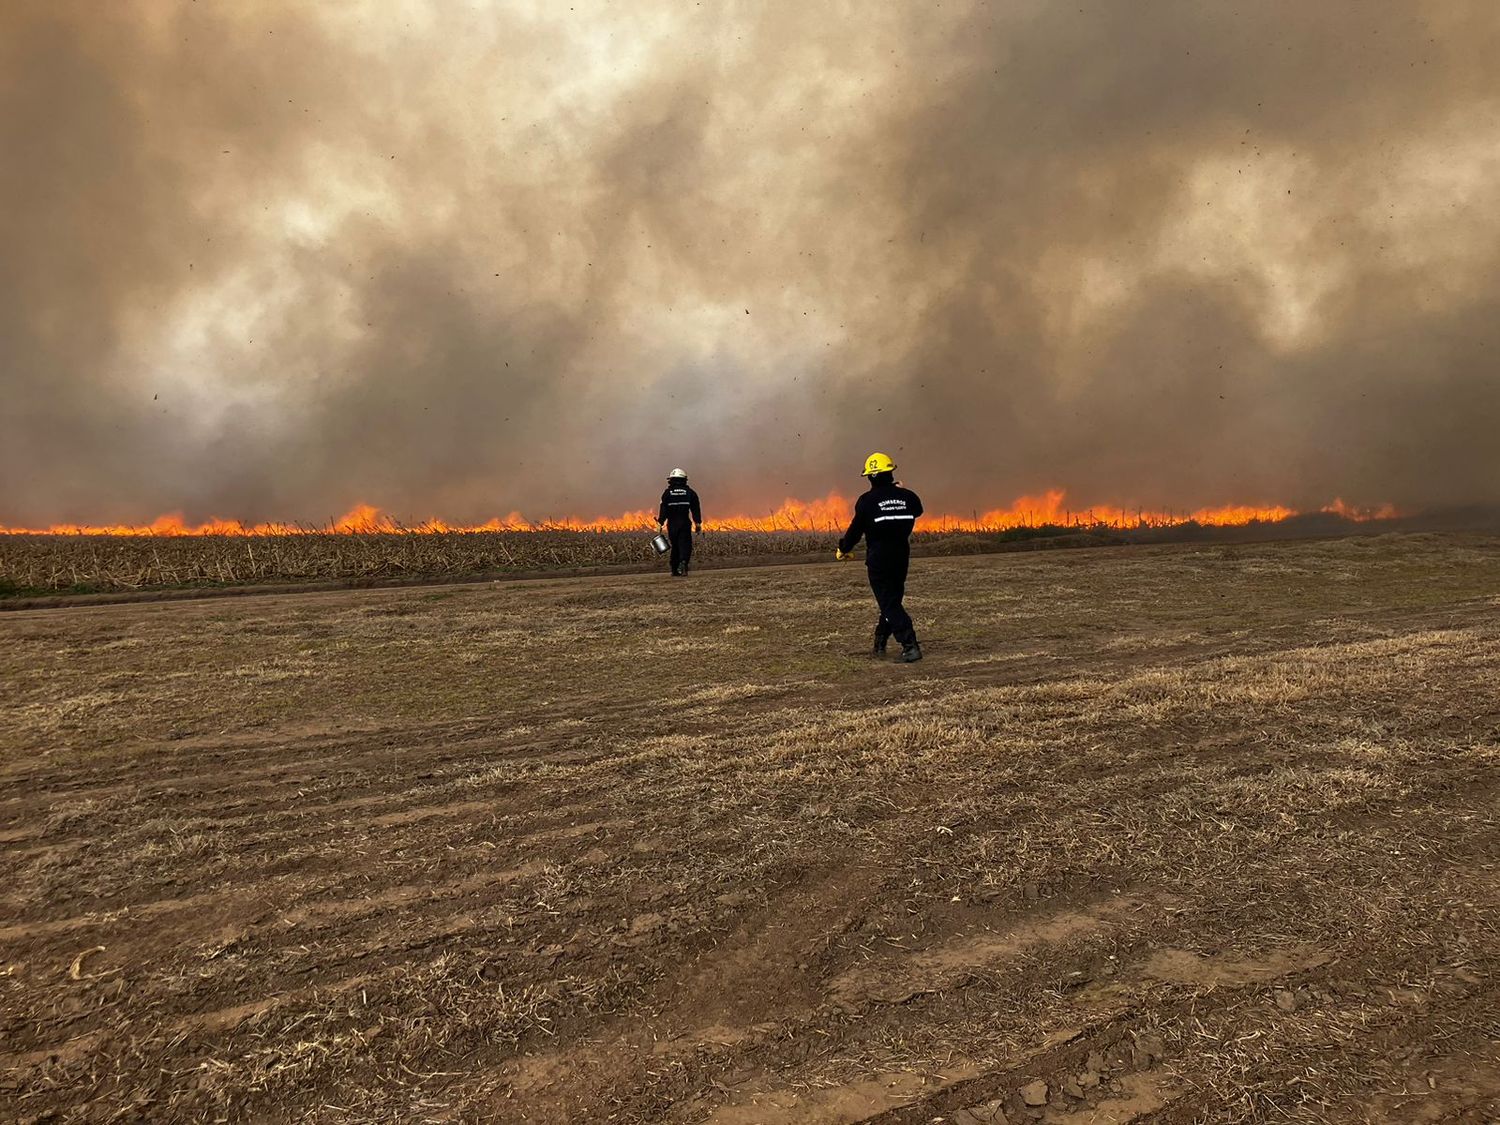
point(752, 974)
point(1132, 1075)
point(712, 1032)
point(1129, 1074)
point(891, 980)
point(1151, 972)
point(939, 967)
point(867, 989)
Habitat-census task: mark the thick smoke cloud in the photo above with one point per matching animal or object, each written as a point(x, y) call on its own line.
point(270, 261)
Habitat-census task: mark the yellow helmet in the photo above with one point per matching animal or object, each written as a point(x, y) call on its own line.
point(878, 463)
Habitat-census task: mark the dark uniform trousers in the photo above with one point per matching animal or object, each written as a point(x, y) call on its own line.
point(884, 517)
point(888, 581)
point(680, 535)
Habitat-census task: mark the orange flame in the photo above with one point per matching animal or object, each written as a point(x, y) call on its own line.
point(1052, 508)
point(831, 513)
point(1350, 512)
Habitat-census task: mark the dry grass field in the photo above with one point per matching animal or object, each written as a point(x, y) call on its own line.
point(1158, 834)
point(81, 564)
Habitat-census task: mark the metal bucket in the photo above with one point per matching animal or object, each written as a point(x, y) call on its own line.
point(659, 544)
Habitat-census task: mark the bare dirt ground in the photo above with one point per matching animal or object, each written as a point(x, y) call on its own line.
point(1170, 834)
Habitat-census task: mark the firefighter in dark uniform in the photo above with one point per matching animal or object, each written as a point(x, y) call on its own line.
point(885, 516)
point(679, 517)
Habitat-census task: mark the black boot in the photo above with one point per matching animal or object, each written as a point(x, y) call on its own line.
point(911, 653)
point(879, 647)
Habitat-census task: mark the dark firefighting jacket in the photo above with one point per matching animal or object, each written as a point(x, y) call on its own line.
point(884, 516)
point(679, 503)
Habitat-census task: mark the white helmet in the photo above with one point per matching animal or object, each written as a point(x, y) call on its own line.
point(677, 474)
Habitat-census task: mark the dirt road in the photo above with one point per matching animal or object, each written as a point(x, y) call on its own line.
point(1169, 834)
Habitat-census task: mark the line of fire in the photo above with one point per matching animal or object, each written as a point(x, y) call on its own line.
point(831, 513)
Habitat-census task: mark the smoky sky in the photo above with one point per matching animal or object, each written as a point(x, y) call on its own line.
point(265, 261)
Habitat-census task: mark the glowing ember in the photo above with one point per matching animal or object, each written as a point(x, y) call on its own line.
point(828, 514)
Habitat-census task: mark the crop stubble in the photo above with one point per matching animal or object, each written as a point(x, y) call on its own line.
point(89, 563)
point(1183, 834)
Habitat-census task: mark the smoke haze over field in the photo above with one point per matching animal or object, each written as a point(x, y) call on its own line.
point(266, 261)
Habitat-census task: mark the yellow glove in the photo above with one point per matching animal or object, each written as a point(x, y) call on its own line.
point(841, 554)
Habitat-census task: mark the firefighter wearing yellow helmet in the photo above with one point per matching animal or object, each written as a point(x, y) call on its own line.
point(884, 516)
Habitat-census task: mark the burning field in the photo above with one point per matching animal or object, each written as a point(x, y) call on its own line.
point(1202, 829)
point(1181, 833)
point(367, 545)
